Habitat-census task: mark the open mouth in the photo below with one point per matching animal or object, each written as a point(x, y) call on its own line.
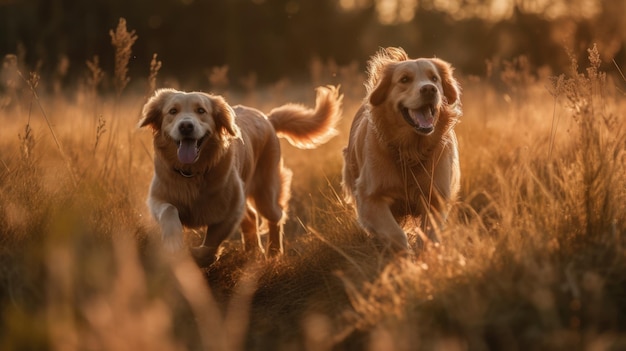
point(421, 119)
point(189, 149)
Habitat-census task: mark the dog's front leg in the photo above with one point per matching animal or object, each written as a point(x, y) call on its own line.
point(375, 216)
point(205, 254)
point(166, 215)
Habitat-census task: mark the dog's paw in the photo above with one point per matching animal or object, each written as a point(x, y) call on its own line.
point(275, 250)
point(204, 255)
point(173, 243)
point(256, 251)
point(173, 238)
point(398, 240)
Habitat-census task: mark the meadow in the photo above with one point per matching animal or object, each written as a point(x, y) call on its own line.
point(533, 256)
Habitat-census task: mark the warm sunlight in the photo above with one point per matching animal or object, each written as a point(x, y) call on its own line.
point(313, 175)
point(399, 11)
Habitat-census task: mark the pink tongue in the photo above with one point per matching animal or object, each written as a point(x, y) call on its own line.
point(422, 117)
point(187, 152)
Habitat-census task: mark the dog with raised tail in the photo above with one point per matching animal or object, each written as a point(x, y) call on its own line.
point(218, 166)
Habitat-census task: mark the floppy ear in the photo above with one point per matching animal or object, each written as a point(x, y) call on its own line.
point(224, 117)
point(451, 88)
point(153, 109)
point(379, 95)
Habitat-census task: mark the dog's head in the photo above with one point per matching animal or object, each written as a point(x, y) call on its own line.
point(417, 89)
point(188, 120)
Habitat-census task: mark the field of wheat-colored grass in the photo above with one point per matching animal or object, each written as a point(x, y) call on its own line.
point(532, 257)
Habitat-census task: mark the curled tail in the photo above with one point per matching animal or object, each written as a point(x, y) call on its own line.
point(306, 128)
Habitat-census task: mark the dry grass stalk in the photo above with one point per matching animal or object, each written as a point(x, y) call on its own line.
point(95, 75)
point(100, 130)
point(10, 80)
point(601, 142)
point(218, 79)
point(32, 84)
point(155, 66)
point(123, 41)
point(60, 74)
point(27, 142)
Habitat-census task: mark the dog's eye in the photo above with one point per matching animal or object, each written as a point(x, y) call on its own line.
point(173, 111)
point(434, 79)
point(201, 110)
point(405, 79)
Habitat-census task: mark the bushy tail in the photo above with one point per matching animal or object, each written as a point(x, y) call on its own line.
point(307, 128)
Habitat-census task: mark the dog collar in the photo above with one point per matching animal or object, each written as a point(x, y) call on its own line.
point(183, 173)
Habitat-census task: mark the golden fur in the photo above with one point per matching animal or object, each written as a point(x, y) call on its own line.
point(402, 161)
point(216, 166)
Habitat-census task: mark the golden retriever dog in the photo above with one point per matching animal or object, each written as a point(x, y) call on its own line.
point(402, 162)
point(217, 165)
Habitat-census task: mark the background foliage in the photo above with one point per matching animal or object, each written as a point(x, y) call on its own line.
point(271, 39)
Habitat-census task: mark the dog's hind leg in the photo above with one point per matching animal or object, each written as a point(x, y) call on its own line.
point(275, 242)
point(250, 231)
point(271, 202)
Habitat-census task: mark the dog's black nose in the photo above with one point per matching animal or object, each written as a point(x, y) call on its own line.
point(428, 91)
point(185, 128)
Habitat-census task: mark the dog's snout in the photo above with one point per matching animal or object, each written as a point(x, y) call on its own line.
point(428, 91)
point(185, 128)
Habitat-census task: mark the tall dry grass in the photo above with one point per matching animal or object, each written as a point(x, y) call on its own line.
point(533, 257)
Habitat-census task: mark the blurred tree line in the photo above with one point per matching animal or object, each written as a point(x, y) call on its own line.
point(279, 38)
